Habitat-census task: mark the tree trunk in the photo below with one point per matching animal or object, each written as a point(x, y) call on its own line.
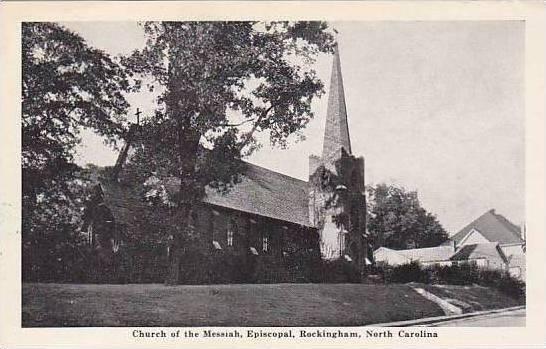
point(173, 275)
point(188, 144)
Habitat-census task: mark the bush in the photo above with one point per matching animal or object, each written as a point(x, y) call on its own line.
point(458, 274)
point(410, 272)
point(504, 282)
point(337, 271)
point(404, 273)
point(463, 274)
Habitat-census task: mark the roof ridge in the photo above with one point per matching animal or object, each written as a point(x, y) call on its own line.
point(424, 248)
point(505, 231)
point(468, 226)
point(273, 171)
point(506, 222)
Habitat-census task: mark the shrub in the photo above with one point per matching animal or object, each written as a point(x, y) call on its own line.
point(504, 282)
point(463, 274)
point(338, 271)
point(404, 273)
point(457, 274)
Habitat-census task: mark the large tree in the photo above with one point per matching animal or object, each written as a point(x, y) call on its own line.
point(66, 86)
point(222, 84)
point(397, 220)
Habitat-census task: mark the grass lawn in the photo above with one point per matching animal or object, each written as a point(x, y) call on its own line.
point(472, 298)
point(56, 305)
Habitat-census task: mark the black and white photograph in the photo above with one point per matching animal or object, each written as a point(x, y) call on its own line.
point(273, 179)
point(214, 173)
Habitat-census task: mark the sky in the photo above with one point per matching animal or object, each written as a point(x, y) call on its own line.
point(436, 107)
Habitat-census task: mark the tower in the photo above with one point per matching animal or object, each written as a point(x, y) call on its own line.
point(337, 204)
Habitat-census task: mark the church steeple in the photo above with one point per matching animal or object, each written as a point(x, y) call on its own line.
point(336, 133)
point(337, 185)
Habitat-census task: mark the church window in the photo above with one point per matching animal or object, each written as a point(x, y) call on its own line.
point(90, 233)
point(265, 243)
point(231, 229)
point(230, 237)
point(341, 242)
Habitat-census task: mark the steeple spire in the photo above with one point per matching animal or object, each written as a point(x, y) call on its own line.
point(336, 133)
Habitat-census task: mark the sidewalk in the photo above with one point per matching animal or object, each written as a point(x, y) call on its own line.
point(438, 319)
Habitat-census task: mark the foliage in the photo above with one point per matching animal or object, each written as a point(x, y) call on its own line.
point(456, 274)
point(409, 272)
point(338, 271)
point(66, 86)
point(221, 85)
point(51, 233)
point(397, 220)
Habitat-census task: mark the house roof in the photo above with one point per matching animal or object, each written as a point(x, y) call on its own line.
point(261, 191)
point(427, 254)
point(486, 250)
point(494, 227)
point(476, 251)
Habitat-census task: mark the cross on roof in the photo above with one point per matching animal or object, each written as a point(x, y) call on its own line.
point(138, 112)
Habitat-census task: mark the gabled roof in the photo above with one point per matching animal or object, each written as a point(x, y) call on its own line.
point(261, 191)
point(123, 200)
point(494, 227)
point(476, 251)
point(266, 193)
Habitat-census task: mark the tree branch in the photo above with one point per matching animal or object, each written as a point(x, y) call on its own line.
point(235, 125)
point(248, 136)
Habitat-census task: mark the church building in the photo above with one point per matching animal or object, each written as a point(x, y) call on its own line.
point(269, 227)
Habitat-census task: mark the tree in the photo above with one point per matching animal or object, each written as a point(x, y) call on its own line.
point(396, 219)
point(66, 86)
point(222, 84)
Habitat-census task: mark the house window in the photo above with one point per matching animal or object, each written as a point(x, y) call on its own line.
point(265, 244)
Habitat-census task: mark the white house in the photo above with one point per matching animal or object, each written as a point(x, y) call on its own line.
point(490, 241)
point(425, 256)
point(493, 227)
